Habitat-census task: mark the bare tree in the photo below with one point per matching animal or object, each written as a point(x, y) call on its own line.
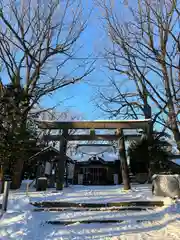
point(38, 40)
point(146, 50)
point(117, 102)
point(14, 140)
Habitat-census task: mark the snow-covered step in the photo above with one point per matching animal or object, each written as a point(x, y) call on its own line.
point(106, 219)
point(22, 222)
point(56, 222)
point(71, 217)
point(78, 209)
point(50, 204)
point(31, 225)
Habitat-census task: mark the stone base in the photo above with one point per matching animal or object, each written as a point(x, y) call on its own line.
point(41, 184)
point(166, 186)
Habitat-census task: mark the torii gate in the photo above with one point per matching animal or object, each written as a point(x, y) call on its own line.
point(117, 125)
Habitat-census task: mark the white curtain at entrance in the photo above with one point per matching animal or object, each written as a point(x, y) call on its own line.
point(48, 168)
point(71, 170)
point(116, 179)
point(80, 179)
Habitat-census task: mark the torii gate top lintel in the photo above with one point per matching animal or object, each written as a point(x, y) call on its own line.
point(97, 124)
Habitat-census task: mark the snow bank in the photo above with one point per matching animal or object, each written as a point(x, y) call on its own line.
point(32, 226)
point(21, 223)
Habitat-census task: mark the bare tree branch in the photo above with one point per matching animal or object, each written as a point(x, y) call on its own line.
point(145, 49)
point(37, 41)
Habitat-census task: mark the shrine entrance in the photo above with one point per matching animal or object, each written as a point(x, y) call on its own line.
point(64, 137)
point(94, 176)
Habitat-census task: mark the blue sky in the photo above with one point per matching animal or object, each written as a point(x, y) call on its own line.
point(79, 97)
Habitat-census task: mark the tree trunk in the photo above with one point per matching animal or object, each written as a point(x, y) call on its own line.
point(19, 162)
point(124, 165)
point(17, 174)
point(173, 122)
point(149, 133)
point(170, 104)
point(175, 129)
point(1, 180)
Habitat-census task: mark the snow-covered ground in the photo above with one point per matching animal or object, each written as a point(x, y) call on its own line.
point(22, 223)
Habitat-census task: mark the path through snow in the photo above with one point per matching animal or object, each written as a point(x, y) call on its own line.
point(21, 223)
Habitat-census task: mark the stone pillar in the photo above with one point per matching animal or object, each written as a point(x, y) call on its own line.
point(149, 135)
point(124, 165)
point(38, 172)
point(61, 161)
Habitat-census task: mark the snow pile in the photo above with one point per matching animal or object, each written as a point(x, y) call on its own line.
point(97, 194)
point(18, 202)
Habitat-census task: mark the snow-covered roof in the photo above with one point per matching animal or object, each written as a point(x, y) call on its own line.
point(107, 157)
point(46, 149)
point(136, 120)
point(88, 151)
point(95, 149)
point(97, 124)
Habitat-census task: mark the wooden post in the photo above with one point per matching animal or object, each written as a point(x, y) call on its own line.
point(66, 173)
point(38, 173)
point(149, 135)
point(5, 195)
point(124, 165)
point(1, 180)
point(61, 161)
